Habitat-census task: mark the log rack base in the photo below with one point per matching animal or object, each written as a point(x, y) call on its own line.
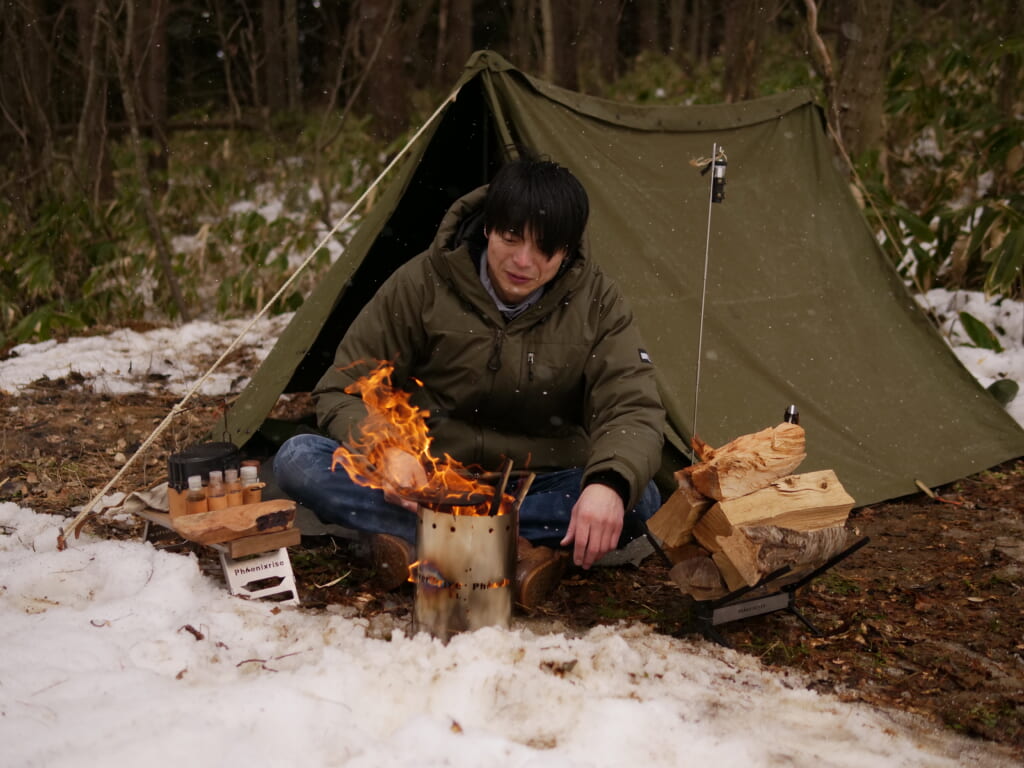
point(772, 596)
point(267, 574)
point(254, 567)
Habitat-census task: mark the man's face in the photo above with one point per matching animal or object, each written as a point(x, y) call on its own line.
point(517, 266)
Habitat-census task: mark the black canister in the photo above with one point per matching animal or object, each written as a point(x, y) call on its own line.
point(200, 459)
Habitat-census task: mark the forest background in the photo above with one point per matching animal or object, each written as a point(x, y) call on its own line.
point(172, 159)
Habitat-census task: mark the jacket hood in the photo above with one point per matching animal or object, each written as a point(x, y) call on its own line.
point(460, 240)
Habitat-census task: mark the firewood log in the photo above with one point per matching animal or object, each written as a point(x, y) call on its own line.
point(235, 522)
point(673, 523)
point(698, 576)
point(756, 551)
point(801, 502)
point(749, 463)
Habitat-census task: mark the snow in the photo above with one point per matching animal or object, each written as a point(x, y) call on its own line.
point(119, 654)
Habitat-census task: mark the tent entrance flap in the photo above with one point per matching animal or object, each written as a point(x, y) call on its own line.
point(802, 306)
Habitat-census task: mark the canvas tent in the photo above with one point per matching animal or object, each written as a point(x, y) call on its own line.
point(801, 305)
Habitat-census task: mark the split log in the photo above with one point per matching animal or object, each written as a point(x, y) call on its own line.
point(748, 463)
point(235, 522)
point(698, 576)
point(730, 575)
point(754, 552)
point(801, 502)
point(673, 523)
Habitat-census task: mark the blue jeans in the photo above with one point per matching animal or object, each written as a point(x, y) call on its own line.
point(303, 471)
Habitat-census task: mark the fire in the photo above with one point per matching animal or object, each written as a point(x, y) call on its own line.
point(393, 422)
point(426, 573)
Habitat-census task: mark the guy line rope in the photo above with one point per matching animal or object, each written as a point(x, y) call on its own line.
point(179, 406)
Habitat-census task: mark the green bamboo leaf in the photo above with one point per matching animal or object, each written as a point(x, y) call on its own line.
point(979, 333)
point(915, 225)
point(1006, 261)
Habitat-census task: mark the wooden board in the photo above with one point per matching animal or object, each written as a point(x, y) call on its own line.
point(264, 542)
point(237, 522)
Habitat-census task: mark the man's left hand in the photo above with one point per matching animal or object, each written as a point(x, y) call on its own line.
point(595, 524)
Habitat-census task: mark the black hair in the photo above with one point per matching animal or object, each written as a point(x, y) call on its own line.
point(540, 196)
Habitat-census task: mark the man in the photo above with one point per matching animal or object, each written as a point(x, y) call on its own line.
point(518, 346)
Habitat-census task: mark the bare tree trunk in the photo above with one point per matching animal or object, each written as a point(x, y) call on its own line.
point(566, 47)
point(527, 34)
point(648, 26)
point(274, 76)
point(229, 49)
point(822, 60)
point(547, 22)
point(597, 57)
point(746, 23)
point(860, 92)
point(27, 57)
point(704, 12)
point(293, 69)
point(1010, 63)
point(150, 55)
point(693, 31)
point(388, 88)
point(126, 69)
point(676, 25)
point(455, 39)
point(90, 163)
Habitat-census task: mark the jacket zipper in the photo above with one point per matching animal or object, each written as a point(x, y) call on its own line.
point(529, 366)
point(494, 364)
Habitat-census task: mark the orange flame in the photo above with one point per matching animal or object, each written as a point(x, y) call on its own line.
point(393, 422)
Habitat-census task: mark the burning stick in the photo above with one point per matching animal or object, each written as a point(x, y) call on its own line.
point(499, 492)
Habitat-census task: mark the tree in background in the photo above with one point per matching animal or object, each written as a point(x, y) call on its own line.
point(298, 74)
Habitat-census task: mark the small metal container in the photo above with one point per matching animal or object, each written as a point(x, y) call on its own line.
point(465, 573)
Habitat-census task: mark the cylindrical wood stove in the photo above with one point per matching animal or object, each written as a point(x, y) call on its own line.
point(465, 571)
point(466, 550)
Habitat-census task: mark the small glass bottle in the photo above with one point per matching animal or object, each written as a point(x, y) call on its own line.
point(252, 488)
point(232, 487)
point(195, 499)
point(216, 497)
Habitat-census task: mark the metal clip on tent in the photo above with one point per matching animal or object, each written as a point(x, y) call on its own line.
point(709, 614)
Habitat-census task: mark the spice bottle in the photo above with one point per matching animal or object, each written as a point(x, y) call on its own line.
point(232, 487)
point(195, 499)
point(252, 488)
point(216, 498)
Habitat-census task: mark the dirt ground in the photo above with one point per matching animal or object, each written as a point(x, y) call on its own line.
point(928, 617)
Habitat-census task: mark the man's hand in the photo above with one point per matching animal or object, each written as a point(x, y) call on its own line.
point(401, 469)
point(595, 524)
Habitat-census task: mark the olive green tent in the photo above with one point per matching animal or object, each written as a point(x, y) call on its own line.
point(801, 306)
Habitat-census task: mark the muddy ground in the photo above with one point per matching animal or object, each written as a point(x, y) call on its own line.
point(927, 618)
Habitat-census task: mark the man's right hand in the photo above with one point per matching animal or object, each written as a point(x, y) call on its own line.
point(401, 469)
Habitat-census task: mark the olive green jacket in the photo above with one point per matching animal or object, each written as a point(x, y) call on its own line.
point(564, 384)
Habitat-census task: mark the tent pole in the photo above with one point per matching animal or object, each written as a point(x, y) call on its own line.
point(704, 284)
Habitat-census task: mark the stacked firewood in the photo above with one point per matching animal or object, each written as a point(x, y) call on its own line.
point(739, 514)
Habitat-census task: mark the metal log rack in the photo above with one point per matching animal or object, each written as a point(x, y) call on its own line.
point(775, 592)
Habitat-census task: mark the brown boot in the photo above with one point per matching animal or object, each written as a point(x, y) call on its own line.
point(392, 556)
point(538, 571)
